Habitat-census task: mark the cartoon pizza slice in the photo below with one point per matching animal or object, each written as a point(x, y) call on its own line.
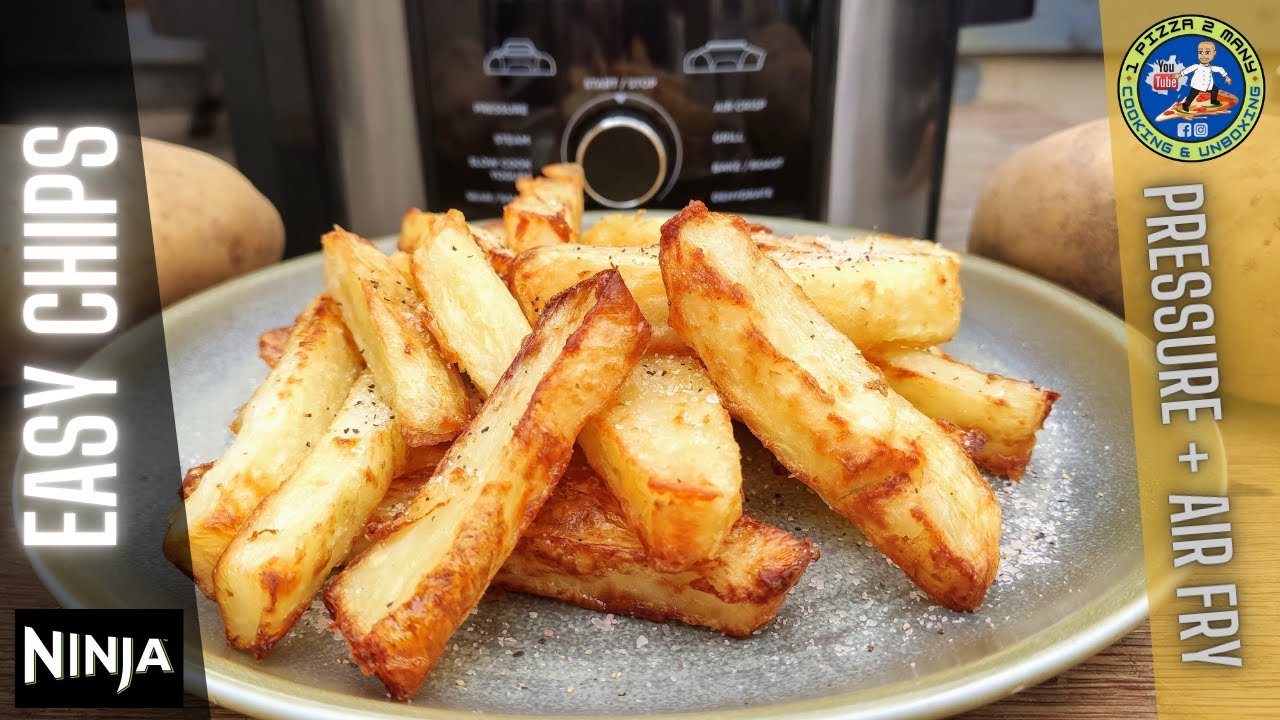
point(1200, 107)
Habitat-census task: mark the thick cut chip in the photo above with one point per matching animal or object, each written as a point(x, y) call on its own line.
point(383, 313)
point(289, 411)
point(547, 210)
point(665, 444)
point(401, 600)
point(665, 447)
point(490, 236)
point(621, 230)
point(536, 276)
point(806, 391)
point(1007, 412)
point(581, 550)
point(473, 316)
point(571, 180)
point(876, 291)
point(283, 553)
point(881, 290)
point(492, 240)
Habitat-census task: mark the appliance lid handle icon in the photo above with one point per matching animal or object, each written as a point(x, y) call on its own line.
point(519, 57)
point(724, 56)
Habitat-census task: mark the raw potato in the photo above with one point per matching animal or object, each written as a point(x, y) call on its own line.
point(208, 221)
point(1051, 210)
point(1242, 201)
point(1242, 211)
point(209, 224)
point(827, 415)
point(402, 599)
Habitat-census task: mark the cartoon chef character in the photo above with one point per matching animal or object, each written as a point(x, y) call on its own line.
point(1202, 75)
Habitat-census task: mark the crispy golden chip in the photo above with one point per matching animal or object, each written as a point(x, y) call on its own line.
point(472, 311)
point(881, 290)
point(622, 230)
point(666, 451)
point(382, 312)
point(547, 210)
point(290, 410)
point(490, 236)
point(876, 291)
point(284, 551)
point(570, 181)
point(1007, 412)
point(536, 276)
point(665, 447)
point(494, 244)
point(415, 225)
point(401, 600)
point(581, 526)
point(402, 263)
point(996, 418)
point(805, 390)
point(771, 243)
point(581, 550)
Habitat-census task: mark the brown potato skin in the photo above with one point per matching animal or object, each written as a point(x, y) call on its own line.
point(403, 645)
point(271, 344)
point(867, 452)
point(208, 221)
point(580, 550)
point(1051, 210)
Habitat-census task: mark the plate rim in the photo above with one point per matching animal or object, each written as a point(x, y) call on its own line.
point(1089, 629)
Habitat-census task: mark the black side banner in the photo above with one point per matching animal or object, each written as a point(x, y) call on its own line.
point(98, 618)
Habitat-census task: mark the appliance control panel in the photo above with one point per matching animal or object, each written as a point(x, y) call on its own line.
point(660, 101)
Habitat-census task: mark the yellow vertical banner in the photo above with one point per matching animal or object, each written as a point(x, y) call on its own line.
point(1195, 136)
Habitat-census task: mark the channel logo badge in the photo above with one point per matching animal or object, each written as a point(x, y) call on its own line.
point(98, 658)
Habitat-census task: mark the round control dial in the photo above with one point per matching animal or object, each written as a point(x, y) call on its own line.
point(629, 148)
point(624, 160)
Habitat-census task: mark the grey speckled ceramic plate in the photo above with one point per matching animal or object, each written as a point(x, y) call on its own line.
point(854, 638)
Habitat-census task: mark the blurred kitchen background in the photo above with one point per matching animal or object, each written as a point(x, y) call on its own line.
point(286, 120)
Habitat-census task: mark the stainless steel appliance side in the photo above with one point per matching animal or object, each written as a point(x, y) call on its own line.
point(368, 84)
point(892, 91)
